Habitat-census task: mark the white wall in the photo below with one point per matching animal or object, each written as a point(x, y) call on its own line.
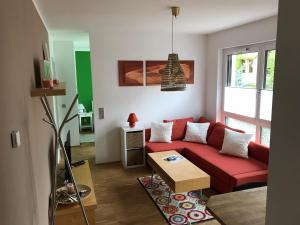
point(284, 179)
point(260, 31)
point(24, 171)
point(64, 57)
point(149, 103)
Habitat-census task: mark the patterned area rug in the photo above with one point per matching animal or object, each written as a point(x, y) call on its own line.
point(184, 208)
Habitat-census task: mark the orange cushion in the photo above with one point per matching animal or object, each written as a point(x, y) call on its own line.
point(179, 127)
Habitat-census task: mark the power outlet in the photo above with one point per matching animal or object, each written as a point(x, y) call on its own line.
point(101, 113)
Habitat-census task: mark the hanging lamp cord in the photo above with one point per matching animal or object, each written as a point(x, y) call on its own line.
point(172, 33)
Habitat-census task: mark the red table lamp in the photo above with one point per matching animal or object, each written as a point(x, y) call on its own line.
point(132, 119)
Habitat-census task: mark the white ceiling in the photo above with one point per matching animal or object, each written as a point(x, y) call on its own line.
point(197, 16)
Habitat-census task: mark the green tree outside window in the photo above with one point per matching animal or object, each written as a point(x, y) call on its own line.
point(270, 69)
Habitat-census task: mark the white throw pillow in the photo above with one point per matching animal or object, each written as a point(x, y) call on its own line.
point(161, 132)
point(236, 143)
point(196, 132)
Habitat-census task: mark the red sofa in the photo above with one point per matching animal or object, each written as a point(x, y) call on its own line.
point(227, 172)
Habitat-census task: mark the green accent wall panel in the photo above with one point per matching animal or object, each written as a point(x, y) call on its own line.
point(84, 78)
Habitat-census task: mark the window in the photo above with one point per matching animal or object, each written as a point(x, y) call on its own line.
point(241, 85)
point(269, 70)
point(240, 70)
point(266, 94)
point(265, 136)
point(248, 89)
point(247, 127)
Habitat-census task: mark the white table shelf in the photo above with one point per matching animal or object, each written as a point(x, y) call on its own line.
point(132, 147)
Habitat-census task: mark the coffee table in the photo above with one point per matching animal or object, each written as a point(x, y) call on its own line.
point(181, 176)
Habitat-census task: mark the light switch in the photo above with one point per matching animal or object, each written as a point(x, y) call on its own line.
point(101, 113)
point(15, 139)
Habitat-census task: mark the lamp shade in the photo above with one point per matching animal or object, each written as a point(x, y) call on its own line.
point(173, 78)
point(132, 119)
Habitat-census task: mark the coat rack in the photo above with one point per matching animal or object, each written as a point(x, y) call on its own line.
point(53, 167)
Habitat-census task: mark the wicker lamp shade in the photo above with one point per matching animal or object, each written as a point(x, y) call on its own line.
point(173, 78)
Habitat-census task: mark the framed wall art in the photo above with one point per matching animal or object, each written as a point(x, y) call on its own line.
point(154, 69)
point(131, 73)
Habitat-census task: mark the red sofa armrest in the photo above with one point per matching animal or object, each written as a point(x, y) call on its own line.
point(259, 152)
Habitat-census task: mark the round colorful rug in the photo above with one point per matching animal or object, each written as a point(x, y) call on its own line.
point(184, 208)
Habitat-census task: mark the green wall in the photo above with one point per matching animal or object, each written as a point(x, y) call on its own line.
point(84, 78)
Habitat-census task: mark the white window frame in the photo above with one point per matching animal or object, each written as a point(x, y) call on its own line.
point(261, 48)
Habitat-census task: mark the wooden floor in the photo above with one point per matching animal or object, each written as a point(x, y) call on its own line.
point(121, 199)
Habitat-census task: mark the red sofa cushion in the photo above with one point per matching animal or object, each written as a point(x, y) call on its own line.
point(175, 145)
point(251, 177)
point(231, 171)
point(211, 125)
point(179, 127)
point(216, 137)
point(229, 164)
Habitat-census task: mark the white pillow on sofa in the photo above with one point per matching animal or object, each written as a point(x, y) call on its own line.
point(236, 143)
point(161, 132)
point(196, 132)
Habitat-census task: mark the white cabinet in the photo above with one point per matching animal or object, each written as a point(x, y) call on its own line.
point(132, 147)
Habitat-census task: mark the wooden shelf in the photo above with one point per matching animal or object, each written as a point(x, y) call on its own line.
point(59, 89)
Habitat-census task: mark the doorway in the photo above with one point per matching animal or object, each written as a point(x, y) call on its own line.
point(85, 98)
point(70, 53)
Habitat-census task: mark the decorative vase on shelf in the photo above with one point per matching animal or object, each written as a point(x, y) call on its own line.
point(47, 74)
point(47, 83)
point(132, 119)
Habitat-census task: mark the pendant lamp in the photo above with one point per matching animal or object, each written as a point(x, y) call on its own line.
point(173, 78)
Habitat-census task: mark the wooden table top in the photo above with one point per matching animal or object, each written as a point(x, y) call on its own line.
point(181, 176)
point(82, 175)
point(240, 208)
